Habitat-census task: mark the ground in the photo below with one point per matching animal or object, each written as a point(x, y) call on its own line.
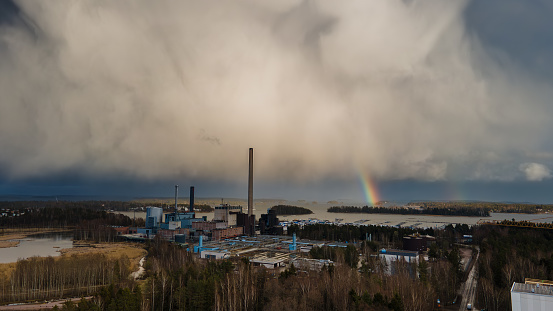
point(133, 251)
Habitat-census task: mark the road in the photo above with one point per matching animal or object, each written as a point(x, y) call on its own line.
point(45, 306)
point(468, 289)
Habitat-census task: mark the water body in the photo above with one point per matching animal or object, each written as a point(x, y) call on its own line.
point(422, 221)
point(426, 221)
point(37, 245)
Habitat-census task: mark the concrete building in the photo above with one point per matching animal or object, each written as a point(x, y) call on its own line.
point(228, 213)
point(246, 221)
point(394, 258)
point(121, 230)
point(169, 234)
point(219, 234)
point(269, 224)
point(397, 255)
point(209, 225)
point(535, 295)
point(418, 243)
point(270, 260)
point(171, 225)
point(185, 219)
point(214, 254)
point(145, 233)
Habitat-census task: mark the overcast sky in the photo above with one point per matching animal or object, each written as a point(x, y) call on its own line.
point(430, 99)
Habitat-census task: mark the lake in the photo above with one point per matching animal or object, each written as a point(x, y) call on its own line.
point(426, 221)
point(42, 245)
point(422, 221)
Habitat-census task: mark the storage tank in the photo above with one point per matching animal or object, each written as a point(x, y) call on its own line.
point(154, 216)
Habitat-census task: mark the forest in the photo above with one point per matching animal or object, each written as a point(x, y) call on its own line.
point(98, 205)
point(41, 278)
point(61, 217)
point(444, 211)
point(94, 205)
point(285, 210)
point(526, 208)
point(510, 254)
point(176, 279)
point(350, 233)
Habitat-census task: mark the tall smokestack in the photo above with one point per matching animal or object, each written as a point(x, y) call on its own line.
point(191, 209)
point(176, 196)
point(250, 185)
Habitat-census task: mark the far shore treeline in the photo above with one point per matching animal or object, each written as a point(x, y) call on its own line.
point(101, 205)
point(463, 211)
point(285, 210)
point(480, 209)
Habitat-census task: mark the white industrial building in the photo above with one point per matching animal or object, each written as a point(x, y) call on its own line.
point(227, 213)
point(154, 216)
point(532, 296)
point(215, 254)
point(270, 260)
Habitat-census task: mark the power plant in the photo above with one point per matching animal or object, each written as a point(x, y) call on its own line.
point(231, 232)
point(228, 221)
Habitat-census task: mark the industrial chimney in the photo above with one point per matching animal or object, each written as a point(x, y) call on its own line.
point(250, 185)
point(191, 208)
point(176, 196)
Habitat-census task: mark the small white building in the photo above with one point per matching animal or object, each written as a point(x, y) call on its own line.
point(270, 260)
point(393, 257)
point(535, 296)
point(214, 254)
point(399, 255)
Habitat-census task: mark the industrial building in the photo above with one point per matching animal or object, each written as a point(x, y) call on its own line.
point(224, 233)
point(418, 243)
point(229, 221)
point(269, 251)
point(227, 213)
point(394, 257)
point(270, 259)
point(209, 225)
point(399, 255)
point(535, 295)
point(154, 216)
point(269, 223)
point(307, 264)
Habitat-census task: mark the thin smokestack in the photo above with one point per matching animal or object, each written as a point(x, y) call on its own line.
point(250, 185)
point(191, 209)
point(176, 196)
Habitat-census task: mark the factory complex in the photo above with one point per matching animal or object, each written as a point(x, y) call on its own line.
point(234, 233)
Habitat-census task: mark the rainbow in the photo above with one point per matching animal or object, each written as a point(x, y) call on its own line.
point(369, 189)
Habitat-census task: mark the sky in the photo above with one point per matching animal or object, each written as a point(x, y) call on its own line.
point(421, 99)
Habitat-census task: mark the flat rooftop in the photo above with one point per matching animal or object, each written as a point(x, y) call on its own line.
point(398, 252)
point(532, 289)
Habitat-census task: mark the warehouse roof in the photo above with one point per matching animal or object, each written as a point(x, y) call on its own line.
point(532, 288)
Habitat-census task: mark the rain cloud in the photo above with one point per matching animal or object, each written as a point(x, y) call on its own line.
point(161, 89)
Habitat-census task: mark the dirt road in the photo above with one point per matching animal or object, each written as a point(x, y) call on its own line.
point(39, 306)
point(468, 289)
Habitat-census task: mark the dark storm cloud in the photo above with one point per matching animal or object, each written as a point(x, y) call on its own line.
point(156, 90)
